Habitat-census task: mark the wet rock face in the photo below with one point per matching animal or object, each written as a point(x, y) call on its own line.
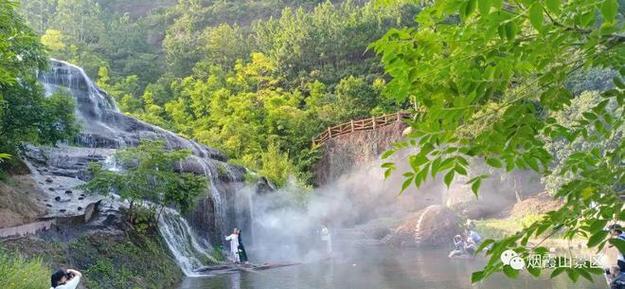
point(347, 152)
point(433, 226)
point(61, 169)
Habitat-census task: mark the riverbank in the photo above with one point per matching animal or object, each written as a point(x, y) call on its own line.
point(523, 214)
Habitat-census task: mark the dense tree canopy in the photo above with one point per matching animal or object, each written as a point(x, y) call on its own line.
point(255, 79)
point(525, 84)
point(26, 115)
point(492, 80)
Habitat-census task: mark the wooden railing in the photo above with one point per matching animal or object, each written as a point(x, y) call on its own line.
point(358, 125)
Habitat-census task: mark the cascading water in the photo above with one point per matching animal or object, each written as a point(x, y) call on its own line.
point(104, 129)
point(74, 78)
point(190, 253)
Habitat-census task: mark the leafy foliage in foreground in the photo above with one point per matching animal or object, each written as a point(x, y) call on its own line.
point(489, 80)
point(25, 114)
point(149, 174)
point(19, 273)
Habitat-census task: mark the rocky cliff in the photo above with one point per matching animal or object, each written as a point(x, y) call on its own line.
point(344, 153)
point(54, 173)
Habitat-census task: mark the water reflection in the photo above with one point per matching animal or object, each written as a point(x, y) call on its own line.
point(380, 268)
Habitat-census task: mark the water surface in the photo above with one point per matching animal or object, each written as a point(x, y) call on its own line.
point(381, 268)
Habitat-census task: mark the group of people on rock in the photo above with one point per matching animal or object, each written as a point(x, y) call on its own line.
point(238, 254)
point(616, 273)
point(466, 244)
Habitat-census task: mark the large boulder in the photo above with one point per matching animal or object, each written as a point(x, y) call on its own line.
point(431, 227)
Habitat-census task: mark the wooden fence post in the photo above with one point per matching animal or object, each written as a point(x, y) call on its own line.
point(351, 122)
point(329, 132)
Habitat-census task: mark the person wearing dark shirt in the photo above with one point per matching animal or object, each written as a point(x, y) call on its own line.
point(242, 253)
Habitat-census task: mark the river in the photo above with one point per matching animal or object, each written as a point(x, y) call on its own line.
point(381, 268)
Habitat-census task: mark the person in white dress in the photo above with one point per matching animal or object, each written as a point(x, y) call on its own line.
point(327, 238)
point(234, 246)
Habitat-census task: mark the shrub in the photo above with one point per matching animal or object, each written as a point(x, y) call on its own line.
point(20, 273)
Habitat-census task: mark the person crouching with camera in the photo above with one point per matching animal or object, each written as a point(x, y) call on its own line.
point(65, 279)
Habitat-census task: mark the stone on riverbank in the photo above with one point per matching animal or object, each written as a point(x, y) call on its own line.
point(431, 227)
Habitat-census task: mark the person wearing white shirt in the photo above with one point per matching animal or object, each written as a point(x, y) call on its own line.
point(65, 279)
point(327, 238)
point(477, 239)
point(234, 246)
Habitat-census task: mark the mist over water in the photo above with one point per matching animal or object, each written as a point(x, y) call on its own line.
point(361, 207)
point(380, 268)
point(287, 223)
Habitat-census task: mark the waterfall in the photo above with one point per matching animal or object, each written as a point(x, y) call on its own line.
point(190, 254)
point(74, 78)
point(250, 204)
point(103, 126)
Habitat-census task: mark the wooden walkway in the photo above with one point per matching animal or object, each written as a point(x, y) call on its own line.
point(358, 125)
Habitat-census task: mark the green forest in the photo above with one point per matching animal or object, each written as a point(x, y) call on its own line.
point(255, 79)
point(532, 85)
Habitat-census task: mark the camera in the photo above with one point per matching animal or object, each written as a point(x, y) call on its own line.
point(69, 275)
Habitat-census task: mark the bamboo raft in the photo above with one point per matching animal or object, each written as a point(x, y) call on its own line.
point(227, 268)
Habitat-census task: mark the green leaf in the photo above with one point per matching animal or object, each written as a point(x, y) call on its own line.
point(597, 225)
point(609, 9)
point(573, 274)
point(534, 271)
point(511, 30)
point(460, 170)
point(588, 19)
point(556, 272)
point(471, 4)
point(449, 177)
point(4, 156)
point(510, 272)
point(477, 276)
point(596, 238)
point(584, 273)
point(406, 184)
point(536, 16)
point(619, 244)
point(475, 187)
point(485, 244)
point(553, 5)
point(484, 6)
point(387, 173)
point(387, 154)
point(589, 115)
point(494, 162)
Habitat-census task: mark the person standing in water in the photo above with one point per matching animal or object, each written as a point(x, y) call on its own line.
point(327, 238)
point(241, 251)
point(234, 246)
